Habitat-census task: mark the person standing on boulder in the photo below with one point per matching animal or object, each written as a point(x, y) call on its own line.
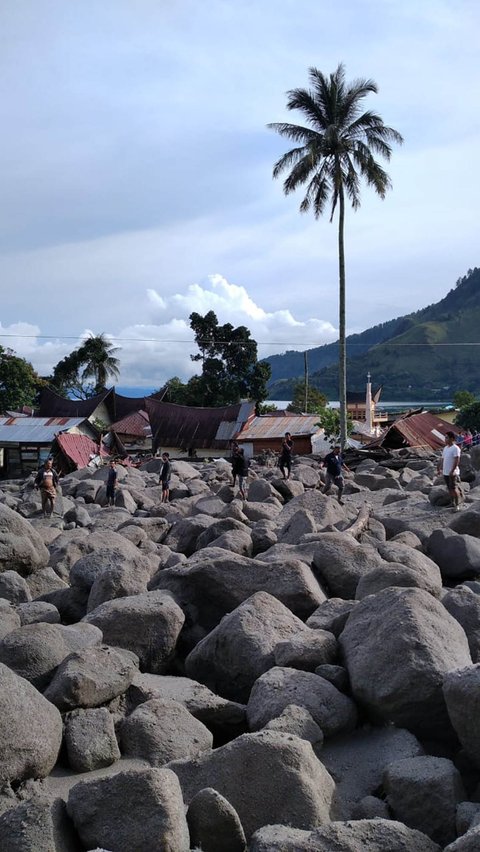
point(242, 472)
point(47, 480)
point(335, 465)
point(449, 466)
point(285, 460)
point(111, 483)
point(165, 476)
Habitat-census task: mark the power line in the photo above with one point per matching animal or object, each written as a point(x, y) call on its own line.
point(314, 344)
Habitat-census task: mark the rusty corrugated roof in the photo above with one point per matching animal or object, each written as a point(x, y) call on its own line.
point(79, 448)
point(417, 430)
point(187, 427)
point(275, 427)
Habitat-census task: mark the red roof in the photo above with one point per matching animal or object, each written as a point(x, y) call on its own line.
point(136, 424)
point(79, 448)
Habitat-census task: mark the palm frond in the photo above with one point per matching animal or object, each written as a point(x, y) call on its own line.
point(296, 132)
point(306, 103)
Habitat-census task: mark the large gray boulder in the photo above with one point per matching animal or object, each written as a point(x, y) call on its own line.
point(14, 588)
point(137, 807)
point(21, 547)
point(464, 605)
point(461, 689)
point(395, 574)
point(230, 658)
point(91, 677)
point(276, 689)
point(469, 842)
point(266, 776)
point(119, 581)
point(402, 554)
point(307, 650)
point(212, 583)
point(458, 556)
point(324, 510)
point(9, 618)
point(423, 792)
point(340, 561)
point(182, 536)
point(398, 645)
point(35, 650)
point(159, 731)
point(147, 624)
point(30, 730)
point(365, 835)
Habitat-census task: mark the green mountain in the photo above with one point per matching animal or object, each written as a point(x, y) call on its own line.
point(425, 355)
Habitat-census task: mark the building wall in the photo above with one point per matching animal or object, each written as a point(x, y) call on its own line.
point(301, 446)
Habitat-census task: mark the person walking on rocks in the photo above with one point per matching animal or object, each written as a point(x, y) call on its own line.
point(235, 461)
point(242, 472)
point(334, 475)
point(449, 466)
point(285, 460)
point(47, 480)
point(111, 482)
point(165, 476)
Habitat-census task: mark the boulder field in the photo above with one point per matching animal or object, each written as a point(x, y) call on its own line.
point(275, 674)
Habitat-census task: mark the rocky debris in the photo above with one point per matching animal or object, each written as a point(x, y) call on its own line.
point(242, 646)
point(265, 776)
point(324, 629)
point(376, 835)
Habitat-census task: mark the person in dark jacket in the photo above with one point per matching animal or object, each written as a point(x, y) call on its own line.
point(111, 482)
point(242, 472)
point(335, 465)
point(165, 476)
point(47, 480)
point(234, 461)
point(285, 460)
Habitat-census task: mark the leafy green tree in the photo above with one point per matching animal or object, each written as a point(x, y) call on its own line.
point(266, 408)
point(469, 417)
point(316, 400)
point(94, 359)
point(463, 398)
point(333, 152)
point(230, 369)
point(329, 421)
point(19, 383)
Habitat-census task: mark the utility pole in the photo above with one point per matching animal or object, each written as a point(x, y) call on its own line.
point(305, 362)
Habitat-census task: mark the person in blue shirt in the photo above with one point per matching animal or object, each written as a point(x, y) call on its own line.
point(334, 475)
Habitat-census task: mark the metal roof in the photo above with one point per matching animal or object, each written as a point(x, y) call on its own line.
point(416, 430)
point(136, 424)
point(34, 430)
point(79, 448)
point(264, 428)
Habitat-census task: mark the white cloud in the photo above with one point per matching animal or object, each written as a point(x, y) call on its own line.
point(153, 351)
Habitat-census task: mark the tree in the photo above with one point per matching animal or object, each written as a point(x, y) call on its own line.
point(19, 383)
point(330, 423)
point(334, 151)
point(97, 355)
point(230, 369)
point(469, 417)
point(463, 398)
point(94, 359)
point(316, 400)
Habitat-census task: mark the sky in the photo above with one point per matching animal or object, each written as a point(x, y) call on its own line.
point(136, 172)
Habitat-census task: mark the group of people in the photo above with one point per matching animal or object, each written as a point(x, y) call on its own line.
point(333, 462)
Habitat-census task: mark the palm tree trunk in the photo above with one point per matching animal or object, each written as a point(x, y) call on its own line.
point(342, 355)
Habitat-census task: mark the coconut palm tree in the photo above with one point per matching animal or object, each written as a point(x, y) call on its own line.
point(98, 357)
point(335, 150)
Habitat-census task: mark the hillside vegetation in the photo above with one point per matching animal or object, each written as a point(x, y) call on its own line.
point(424, 355)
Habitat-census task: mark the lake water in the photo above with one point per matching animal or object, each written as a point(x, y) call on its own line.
point(402, 405)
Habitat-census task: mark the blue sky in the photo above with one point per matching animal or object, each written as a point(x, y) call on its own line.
point(135, 171)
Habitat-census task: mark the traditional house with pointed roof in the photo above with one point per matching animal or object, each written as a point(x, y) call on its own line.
point(191, 431)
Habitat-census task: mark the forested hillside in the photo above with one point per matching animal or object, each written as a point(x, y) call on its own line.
point(424, 355)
